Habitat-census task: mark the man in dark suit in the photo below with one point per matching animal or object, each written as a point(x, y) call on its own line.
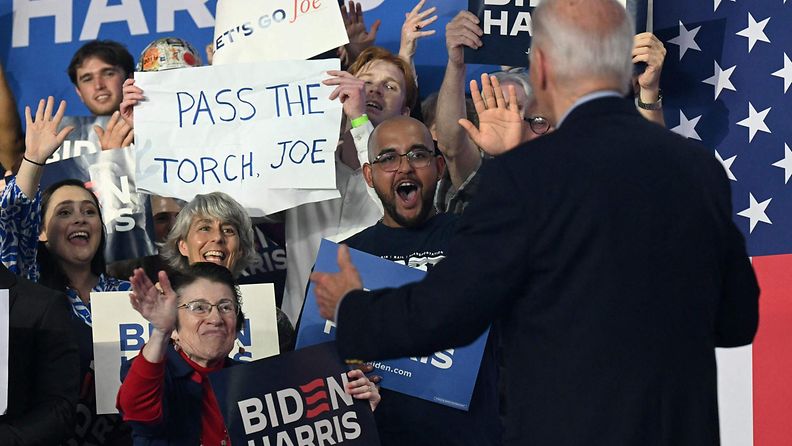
point(43, 369)
point(605, 252)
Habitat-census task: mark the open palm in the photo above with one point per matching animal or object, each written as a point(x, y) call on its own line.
point(501, 127)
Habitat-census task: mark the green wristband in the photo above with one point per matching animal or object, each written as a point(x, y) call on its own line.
point(360, 121)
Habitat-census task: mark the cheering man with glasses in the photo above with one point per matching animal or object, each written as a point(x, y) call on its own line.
point(404, 170)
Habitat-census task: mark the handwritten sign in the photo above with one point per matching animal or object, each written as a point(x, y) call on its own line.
point(446, 377)
point(255, 30)
point(119, 332)
point(297, 398)
point(508, 28)
point(237, 129)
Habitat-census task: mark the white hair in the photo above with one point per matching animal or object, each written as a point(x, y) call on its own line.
point(584, 48)
point(517, 78)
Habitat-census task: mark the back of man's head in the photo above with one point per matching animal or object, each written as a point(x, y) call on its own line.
point(108, 51)
point(586, 40)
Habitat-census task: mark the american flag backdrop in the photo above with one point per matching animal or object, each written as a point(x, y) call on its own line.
point(727, 82)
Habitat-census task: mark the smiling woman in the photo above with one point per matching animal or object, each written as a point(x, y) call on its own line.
point(216, 228)
point(70, 256)
point(195, 314)
point(211, 228)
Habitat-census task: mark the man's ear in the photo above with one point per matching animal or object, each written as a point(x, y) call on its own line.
point(541, 72)
point(405, 111)
point(441, 165)
point(368, 175)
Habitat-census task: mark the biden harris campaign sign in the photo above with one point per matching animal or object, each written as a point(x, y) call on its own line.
point(120, 332)
point(447, 377)
point(508, 27)
point(297, 398)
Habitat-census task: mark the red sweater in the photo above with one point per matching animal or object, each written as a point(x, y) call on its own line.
point(140, 397)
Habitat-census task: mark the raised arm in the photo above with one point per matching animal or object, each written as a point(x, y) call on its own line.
point(650, 49)
point(20, 207)
point(414, 28)
point(41, 141)
point(462, 155)
point(360, 38)
point(353, 149)
point(141, 393)
point(158, 306)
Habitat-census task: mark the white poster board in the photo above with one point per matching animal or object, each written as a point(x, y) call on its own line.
point(254, 30)
point(119, 332)
point(4, 330)
point(239, 129)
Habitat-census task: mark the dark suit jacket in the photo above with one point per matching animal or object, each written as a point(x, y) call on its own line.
point(43, 370)
point(606, 253)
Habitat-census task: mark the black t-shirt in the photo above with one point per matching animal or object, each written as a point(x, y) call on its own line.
point(406, 420)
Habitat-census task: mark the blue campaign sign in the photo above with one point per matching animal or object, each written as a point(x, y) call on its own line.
point(296, 398)
point(508, 27)
point(446, 377)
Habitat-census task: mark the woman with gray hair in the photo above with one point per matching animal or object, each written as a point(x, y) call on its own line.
point(216, 228)
point(211, 228)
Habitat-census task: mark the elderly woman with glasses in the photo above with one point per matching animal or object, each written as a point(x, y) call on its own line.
point(166, 396)
point(216, 228)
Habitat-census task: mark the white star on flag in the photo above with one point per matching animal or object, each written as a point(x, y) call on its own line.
point(756, 212)
point(687, 127)
point(726, 163)
point(686, 39)
point(718, 2)
point(754, 32)
point(785, 73)
point(720, 79)
point(785, 163)
point(755, 121)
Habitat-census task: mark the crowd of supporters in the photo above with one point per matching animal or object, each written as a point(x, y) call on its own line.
point(406, 167)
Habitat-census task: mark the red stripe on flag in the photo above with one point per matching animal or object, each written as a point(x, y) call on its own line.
point(772, 353)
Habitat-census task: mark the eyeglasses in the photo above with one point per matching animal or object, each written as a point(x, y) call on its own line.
point(203, 308)
point(390, 161)
point(539, 124)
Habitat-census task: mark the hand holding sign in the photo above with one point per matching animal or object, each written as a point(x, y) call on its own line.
point(360, 387)
point(650, 50)
point(330, 288)
point(350, 91)
point(463, 30)
point(133, 95)
point(500, 125)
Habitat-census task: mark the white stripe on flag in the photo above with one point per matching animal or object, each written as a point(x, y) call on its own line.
point(735, 395)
